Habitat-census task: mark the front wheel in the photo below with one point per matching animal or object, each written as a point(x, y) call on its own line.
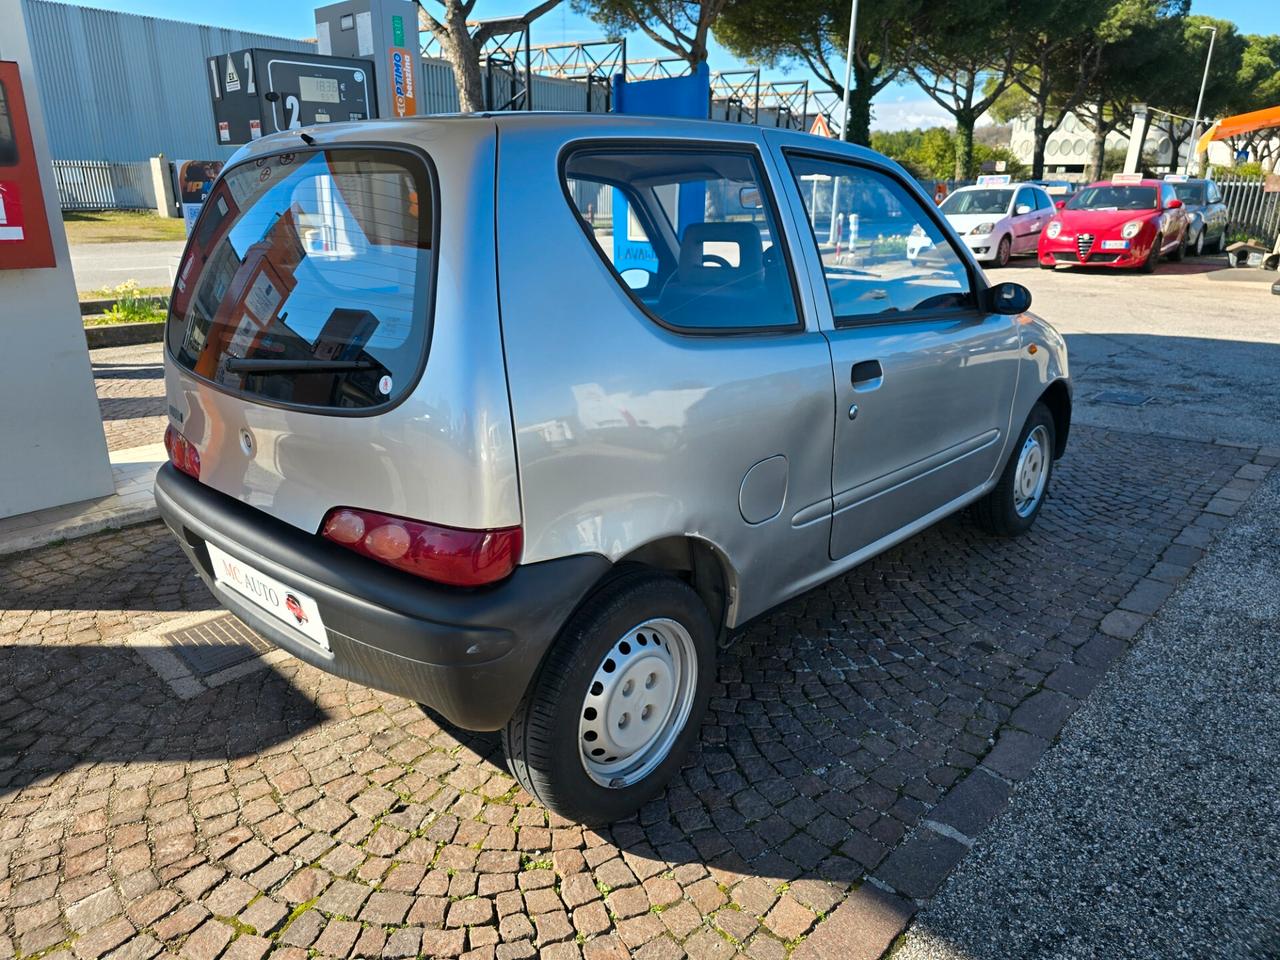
point(1180, 252)
point(619, 701)
point(1149, 265)
point(1199, 248)
point(1012, 506)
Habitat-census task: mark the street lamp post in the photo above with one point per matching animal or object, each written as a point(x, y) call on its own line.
point(848, 71)
point(833, 231)
point(1204, 81)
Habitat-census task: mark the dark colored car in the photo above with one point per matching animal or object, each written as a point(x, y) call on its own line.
point(1210, 221)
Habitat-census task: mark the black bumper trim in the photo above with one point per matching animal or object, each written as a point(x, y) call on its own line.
point(469, 654)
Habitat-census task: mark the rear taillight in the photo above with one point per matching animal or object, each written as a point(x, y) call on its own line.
point(461, 558)
point(182, 452)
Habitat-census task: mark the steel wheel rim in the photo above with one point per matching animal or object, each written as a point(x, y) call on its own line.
point(1032, 471)
point(637, 703)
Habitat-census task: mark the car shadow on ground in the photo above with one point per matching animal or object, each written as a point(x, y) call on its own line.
point(68, 706)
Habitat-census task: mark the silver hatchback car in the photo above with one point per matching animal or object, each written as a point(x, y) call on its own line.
point(517, 415)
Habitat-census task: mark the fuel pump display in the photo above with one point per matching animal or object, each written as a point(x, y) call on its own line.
point(24, 232)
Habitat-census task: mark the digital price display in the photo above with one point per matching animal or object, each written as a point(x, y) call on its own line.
point(319, 89)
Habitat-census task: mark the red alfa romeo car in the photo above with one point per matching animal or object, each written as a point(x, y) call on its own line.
point(1127, 223)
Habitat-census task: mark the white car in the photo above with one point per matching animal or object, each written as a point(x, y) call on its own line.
point(995, 222)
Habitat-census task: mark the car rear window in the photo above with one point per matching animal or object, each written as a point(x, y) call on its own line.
point(307, 279)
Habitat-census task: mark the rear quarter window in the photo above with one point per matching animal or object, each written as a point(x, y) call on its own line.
point(307, 279)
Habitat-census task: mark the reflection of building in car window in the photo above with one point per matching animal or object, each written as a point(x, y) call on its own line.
point(8, 142)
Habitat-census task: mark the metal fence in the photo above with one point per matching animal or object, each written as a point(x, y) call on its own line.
point(1254, 211)
point(98, 185)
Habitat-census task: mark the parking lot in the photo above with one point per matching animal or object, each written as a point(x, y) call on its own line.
point(159, 796)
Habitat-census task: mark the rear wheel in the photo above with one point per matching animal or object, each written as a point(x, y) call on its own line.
point(1013, 505)
point(619, 701)
point(1199, 249)
point(1180, 252)
point(1003, 251)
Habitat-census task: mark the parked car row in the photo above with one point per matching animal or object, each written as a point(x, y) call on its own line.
point(1127, 222)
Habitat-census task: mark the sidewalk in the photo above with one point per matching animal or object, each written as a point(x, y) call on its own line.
point(134, 470)
point(1152, 828)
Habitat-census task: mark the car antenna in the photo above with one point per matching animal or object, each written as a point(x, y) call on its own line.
point(309, 140)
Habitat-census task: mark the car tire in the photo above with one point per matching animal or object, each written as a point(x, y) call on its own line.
point(1149, 265)
point(1199, 247)
point(1013, 504)
point(1180, 251)
point(1004, 250)
point(1046, 266)
point(641, 631)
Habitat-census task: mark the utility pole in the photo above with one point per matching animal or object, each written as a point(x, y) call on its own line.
point(1204, 81)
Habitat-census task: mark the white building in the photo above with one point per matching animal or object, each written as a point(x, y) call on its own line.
point(1069, 150)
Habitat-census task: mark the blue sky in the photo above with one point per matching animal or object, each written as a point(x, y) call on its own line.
point(898, 106)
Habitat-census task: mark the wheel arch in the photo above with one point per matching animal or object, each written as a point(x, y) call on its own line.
point(698, 562)
point(1057, 397)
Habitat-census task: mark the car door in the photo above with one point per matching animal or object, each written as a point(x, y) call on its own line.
point(1023, 217)
point(924, 380)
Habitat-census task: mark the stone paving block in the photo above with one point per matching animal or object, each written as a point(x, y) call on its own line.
point(208, 941)
point(1074, 679)
point(1122, 624)
point(789, 918)
point(973, 803)
point(1015, 753)
point(1044, 713)
point(863, 927)
point(1147, 597)
point(917, 868)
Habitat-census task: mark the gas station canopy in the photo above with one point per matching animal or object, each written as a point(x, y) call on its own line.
point(1240, 123)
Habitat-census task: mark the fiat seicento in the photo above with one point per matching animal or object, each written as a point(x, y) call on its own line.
point(517, 416)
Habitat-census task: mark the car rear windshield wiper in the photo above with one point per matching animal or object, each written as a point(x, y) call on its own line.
point(268, 365)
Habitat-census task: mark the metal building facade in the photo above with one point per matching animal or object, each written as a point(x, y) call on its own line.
point(122, 87)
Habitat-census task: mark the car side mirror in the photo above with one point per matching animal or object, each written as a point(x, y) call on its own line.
point(749, 198)
point(1061, 204)
point(1022, 209)
point(1008, 298)
point(1175, 204)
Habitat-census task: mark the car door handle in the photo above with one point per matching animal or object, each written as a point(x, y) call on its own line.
point(867, 375)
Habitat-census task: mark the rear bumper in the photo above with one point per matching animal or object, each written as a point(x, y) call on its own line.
point(468, 654)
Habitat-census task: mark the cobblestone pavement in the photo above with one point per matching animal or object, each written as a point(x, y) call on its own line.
point(858, 737)
point(130, 384)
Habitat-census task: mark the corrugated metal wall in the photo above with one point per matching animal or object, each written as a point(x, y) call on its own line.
point(121, 87)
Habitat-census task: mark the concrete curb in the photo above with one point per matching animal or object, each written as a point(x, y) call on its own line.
point(124, 334)
point(90, 307)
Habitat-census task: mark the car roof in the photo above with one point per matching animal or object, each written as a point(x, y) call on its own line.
point(1144, 182)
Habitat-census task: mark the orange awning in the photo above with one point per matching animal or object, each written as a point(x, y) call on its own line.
point(1240, 123)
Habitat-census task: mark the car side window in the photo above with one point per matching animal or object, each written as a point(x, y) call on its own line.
point(882, 253)
point(1167, 194)
point(1214, 195)
point(692, 234)
point(1042, 200)
point(1026, 197)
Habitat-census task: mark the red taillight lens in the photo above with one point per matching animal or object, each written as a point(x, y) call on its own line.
point(461, 558)
point(182, 452)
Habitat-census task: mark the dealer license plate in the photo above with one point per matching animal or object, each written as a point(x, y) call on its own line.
point(267, 593)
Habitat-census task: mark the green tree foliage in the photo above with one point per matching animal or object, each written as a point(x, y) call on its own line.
point(931, 154)
point(963, 58)
point(678, 26)
point(815, 34)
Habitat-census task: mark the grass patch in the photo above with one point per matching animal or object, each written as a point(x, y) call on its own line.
point(121, 226)
point(108, 293)
point(131, 306)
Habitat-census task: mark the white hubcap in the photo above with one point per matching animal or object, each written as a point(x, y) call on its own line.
point(1032, 472)
point(637, 703)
